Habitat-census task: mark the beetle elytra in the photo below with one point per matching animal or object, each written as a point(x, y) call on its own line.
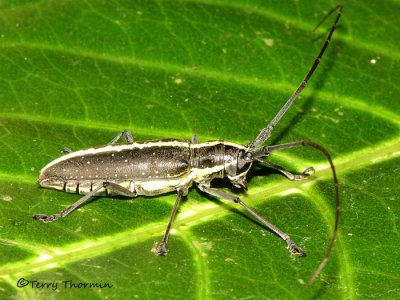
point(156, 167)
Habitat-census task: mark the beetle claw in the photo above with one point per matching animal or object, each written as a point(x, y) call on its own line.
point(159, 249)
point(293, 248)
point(65, 150)
point(45, 218)
point(309, 171)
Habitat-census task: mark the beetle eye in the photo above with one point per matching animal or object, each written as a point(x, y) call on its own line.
point(248, 156)
point(242, 163)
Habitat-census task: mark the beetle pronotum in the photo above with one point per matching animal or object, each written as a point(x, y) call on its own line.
point(157, 167)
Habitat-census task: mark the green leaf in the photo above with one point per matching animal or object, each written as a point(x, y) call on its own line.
point(75, 73)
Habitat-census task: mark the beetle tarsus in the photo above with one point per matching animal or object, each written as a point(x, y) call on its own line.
point(46, 218)
point(294, 177)
point(309, 171)
point(160, 249)
point(125, 134)
point(293, 248)
point(195, 139)
point(65, 150)
point(306, 173)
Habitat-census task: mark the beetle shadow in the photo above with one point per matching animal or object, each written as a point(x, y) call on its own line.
point(319, 79)
point(227, 204)
point(294, 120)
point(321, 291)
point(121, 198)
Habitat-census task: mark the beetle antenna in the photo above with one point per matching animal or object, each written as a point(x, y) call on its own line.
point(327, 16)
point(266, 150)
point(266, 132)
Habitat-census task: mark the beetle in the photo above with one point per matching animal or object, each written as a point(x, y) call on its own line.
point(160, 166)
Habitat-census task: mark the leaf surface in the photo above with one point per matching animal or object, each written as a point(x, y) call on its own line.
point(77, 73)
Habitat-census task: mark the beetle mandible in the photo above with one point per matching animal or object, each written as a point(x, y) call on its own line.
point(161, 166)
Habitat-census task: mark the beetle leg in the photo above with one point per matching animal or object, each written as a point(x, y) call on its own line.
point(307, 172)
point(65, 212)
point(293, 248)
point(126, 134)
point(195, 139)
point(160, 249)
point(65, 150)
